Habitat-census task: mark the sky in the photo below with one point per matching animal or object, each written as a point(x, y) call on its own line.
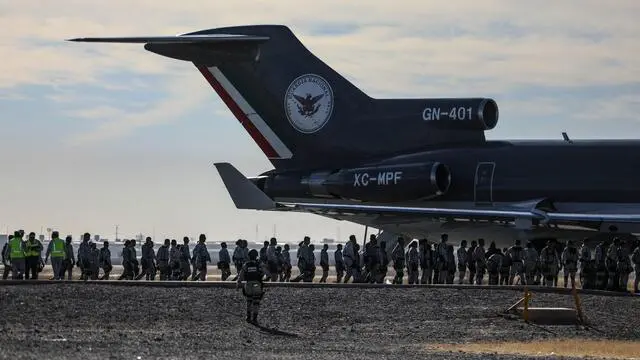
point(99, 135)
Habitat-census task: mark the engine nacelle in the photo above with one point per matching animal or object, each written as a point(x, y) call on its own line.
point(464, 114)
point(390, 183)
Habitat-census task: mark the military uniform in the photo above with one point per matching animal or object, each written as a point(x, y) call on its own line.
point(612, 266)
point(494, 263)
point(371, 260)
point(349, 257)
point(505, 268)
point(601, 266)
point(105, 262)
point(463, 259)
point(148, 260)
point(426, 263)
point(286, 264)
point(585, 259)
point(530, 263)
point(570, 264)
point(33, 257)
point(324, 264)
point(83, 258)
point(383, 263)
point(272, 262)
point(127, 263)
point(224, 263)
point(339, 263)
point(252, 290)
point(624, 269)
point(635, 259)
point(413, 263)
point(441, 262)
point(549, 264)
point(69, 260)
point(93, 263)
point(516, 255)
point(397, 255)
point(5, 260)
point(201, 257)
point(185, 261)
point(174, 262)
point(481, 263)
point(162, 256)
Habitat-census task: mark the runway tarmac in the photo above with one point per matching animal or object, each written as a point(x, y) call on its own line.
point(92, 321)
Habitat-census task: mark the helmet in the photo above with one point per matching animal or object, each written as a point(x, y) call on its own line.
point(253, 254)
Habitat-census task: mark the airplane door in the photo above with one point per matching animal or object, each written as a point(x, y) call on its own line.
point(483, 187)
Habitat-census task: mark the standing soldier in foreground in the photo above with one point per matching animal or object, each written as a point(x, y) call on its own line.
point(505, 269)
point(224, 262)
point(174, 260)
point(426, 266)
point(549, 263)
point(162, 256)
point(93, 268)
point(252, 290)
point(185, 259)
point(383, 262)
point(585, 260)
point(105, 260)
point(624, 268)
point(16, 256)
point(612, 265)
point(601, 267)
point(272, 260)
point(83, 255)
point(200, 258)
point(530, 262)
point(57, 252)
point(480, 260)
point(238, 258)
point(516, 256)
point(494, 263)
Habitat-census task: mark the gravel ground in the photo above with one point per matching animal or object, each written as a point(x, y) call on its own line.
point(67, 321)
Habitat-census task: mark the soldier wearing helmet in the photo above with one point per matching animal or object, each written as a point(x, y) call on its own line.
point(251, 273)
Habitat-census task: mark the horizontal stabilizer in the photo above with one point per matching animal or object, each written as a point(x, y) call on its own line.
point(177, 39)
point(243, 192)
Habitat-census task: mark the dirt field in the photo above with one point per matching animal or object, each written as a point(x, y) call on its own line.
point(84, 321)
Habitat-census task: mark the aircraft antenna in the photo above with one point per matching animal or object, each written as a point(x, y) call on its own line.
point(566, 137)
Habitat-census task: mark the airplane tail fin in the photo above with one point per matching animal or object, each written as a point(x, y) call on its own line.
point(298, 110)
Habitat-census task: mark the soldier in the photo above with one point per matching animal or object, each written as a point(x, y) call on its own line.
point(356, 268)
point(174, 260)
point(105, 260)
point(462, 261)
point(83, 255)
point(516, 257)
point(148, 260)
point(451, 265)
point(413, 262)
point(200, 258)
point(585, 259)
point(624, 268)
point(33, 256)
point(349, 257)
point(162, 256)
point(339, 263)
point(324, 263)
point(612, 265)
point(549, 263)
point(16, 255)
point(441, 259)
point(371, 259)
point(310, 263)
point(93, 262)
point(600, 265)
point(252, 274)
point(238, 258)
point(530, 257)
point(57, 253)
point(494, 263)
point(635, 258)
point(127, 261)
point(480, 260)
point(69, 259)
point(570, 263)
point(505, 268)
point(280, 260)
point(286, 263)
point(397, 255)
point(272, 260)
point(186, 260)
point(5, 258)
point(426, 264)
point(472, 262)
point(383, 263)
point(262, 258)
point(224, 262)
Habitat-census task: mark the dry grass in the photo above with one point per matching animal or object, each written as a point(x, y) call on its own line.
point(568, 347)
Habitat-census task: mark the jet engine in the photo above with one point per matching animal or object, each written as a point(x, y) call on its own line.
point(463, 114)
point(404, 182)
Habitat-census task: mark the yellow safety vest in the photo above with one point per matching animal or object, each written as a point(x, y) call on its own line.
point(15, 249)
point(31, 248)
point(58, 250)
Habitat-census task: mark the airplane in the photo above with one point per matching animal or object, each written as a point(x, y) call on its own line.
point(410, 167)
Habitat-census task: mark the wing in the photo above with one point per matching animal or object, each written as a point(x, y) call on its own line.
point(316, 98)
point(300, 99)
point(212, 38)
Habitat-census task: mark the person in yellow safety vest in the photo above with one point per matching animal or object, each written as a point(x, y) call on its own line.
point(16, 256)
point(57, 251)
point(32, 252)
